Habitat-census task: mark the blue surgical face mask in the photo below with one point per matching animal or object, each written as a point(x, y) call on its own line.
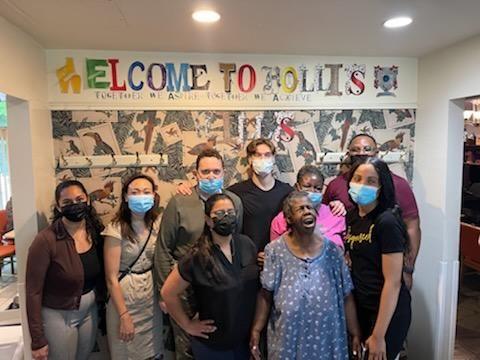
point(363, 194)
point(140, 204)
point(315, 198)
point(263, 167)
point(210, 186)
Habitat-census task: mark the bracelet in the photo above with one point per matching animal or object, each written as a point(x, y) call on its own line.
point(123, 313)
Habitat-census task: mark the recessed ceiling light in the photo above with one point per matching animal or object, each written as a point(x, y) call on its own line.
point(206, 16)
point(397, 22)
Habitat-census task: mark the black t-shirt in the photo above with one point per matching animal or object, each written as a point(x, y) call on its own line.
point(259, 208)
point(231, 304)
point(91, 269)
point(379, 232)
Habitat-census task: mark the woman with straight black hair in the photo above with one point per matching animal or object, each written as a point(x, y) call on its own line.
point(376, 240)
point(134, 319)
point(64, 278)
point(223, 273)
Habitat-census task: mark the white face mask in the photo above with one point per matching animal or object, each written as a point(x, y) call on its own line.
point(263, 167)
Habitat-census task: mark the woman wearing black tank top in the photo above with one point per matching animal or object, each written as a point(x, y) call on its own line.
point(64, 278)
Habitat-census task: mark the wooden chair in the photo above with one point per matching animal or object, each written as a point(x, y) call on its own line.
point(469, 247)
point(7, 251)
point(3, 221)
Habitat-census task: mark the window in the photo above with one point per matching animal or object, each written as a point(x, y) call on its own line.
point(5, 190)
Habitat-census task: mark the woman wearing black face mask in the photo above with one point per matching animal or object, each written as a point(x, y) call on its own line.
point(223, 273)
point(64, 278)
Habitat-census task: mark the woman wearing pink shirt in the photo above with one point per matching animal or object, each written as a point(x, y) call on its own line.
point(310, 179)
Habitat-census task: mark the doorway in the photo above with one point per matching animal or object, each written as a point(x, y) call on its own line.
point(467, 343)
point(8, 276)
point(10, 329)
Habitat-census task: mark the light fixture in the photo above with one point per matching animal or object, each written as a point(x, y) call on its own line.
point(206, 16)
point(397, 22)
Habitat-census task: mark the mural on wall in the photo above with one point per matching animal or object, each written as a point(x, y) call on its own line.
point(182, 135)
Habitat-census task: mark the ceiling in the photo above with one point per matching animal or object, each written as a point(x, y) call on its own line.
point(309, 27)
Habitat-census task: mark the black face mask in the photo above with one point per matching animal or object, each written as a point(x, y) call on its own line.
point(75, 212)
point(357, 158)
point(226, 225)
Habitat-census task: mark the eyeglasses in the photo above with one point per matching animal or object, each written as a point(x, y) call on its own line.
point(222, 213)
point(365, 149)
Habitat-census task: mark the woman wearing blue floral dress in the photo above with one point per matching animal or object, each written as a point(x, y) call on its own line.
point(306, 290)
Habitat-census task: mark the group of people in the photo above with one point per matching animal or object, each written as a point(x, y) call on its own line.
point(259, 269)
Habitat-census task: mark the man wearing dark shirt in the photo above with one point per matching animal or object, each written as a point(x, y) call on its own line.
point(262, 195)
point(363, 145)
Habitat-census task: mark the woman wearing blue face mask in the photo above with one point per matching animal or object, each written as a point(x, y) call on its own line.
point(376, 240)
point(134, 320)
point(310, 180)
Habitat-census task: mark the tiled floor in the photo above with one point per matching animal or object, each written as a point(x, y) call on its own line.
point(467, 344)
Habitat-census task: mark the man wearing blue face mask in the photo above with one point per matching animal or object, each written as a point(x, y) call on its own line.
point(182, 224)
point(310, 180)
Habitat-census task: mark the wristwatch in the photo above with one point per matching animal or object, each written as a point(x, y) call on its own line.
point(408, 269)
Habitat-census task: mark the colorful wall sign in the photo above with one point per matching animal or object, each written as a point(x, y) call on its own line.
point(79, 79)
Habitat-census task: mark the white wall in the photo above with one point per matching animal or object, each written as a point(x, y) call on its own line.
point(448, 74)
point(23, 79)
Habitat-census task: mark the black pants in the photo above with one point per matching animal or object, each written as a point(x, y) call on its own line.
point(204, 352)
point(397, 329)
